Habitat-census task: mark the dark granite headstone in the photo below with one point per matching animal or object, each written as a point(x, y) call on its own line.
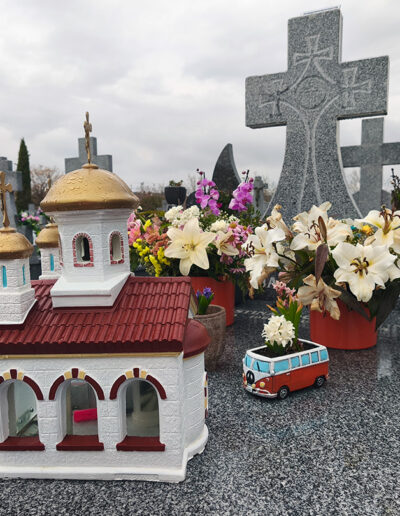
point(371, 155)
point(104, 161)
point(225, 175)
point(310, 98)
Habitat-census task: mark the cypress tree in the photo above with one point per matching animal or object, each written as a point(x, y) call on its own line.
point(24, 198)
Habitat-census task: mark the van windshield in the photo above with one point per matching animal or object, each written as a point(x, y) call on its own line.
point(262, 367)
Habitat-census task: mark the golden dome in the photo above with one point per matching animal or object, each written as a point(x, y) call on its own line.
point(89, 188)
point(14, 245)
point(48, 237)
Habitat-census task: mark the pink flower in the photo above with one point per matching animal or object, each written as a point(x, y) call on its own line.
point(242, 195)
point(207, 195)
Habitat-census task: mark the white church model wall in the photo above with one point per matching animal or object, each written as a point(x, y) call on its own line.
point(181, 436)
point(16, 294)
point(50, 260)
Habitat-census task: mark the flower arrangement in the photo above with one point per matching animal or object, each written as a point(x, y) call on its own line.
point(32, 221)
point(203, 240)
point(396, 191)
point(325, 259)
point(204, 299)
point(282, 330)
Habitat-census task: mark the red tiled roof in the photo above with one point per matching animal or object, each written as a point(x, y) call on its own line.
point(149, 315)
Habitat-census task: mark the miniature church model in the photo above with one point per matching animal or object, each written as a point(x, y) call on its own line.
point(101, 373)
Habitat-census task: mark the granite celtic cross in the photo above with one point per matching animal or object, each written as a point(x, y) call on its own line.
point(310, 98)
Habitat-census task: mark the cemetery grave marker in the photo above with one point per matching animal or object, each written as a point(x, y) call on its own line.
point(371, 155)
point(310, 98)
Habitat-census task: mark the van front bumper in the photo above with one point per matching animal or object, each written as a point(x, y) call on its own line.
point(259, 392)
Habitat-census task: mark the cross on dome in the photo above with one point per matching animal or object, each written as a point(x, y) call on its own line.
point(4, 188)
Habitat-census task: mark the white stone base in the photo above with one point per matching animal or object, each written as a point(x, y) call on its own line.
point(155, 474)
point(66, 293)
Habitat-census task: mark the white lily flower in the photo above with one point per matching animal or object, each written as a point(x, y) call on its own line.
point(388, 224)
point(363, 267)
point(262, 252)
point(309, 233)
point(223, 243)
point(189, 245)
point(275, 220)
point(319, 296)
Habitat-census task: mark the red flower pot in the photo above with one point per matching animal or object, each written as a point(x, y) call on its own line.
point(351, 331)
point(224, 294)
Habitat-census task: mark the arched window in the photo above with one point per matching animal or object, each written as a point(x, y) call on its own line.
point(19, 423)
point(23, 275)
point(75, 392)
point(51, 262)
point(4, 276)
point(82, 250)
point(141, 420)
point(116, 248)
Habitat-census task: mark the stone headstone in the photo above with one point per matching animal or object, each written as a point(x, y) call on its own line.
point(15, 179)
point(370, 156)
point(316, 91)
point(225, 175)
point(104, 161)
point(259, 201)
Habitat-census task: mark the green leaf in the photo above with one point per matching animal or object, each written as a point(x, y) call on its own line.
point(351, 301)
point(386, 301)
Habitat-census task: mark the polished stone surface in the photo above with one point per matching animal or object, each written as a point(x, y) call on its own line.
point(371, 155)
point(316, 91)
point(329, 451)
point(225, 175)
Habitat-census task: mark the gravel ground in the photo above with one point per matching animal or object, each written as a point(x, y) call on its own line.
point(333, 450)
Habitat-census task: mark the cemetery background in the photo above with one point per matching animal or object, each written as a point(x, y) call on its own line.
point(366, 456)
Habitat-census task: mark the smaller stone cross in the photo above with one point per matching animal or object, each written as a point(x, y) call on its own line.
point(258, 195)
point(104, 161)
point(3, 189)
point(371, 155)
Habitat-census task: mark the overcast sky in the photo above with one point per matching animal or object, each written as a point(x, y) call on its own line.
point(163, 80)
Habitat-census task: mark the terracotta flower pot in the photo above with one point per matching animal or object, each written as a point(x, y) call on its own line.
point(351, 331)
point(224, 294)
point(214, 321)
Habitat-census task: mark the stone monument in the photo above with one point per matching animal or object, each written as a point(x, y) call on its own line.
point(371, 155)
point(104, 161)
point(15, 179)
point(259, 201)
point(316, 91)
point(225, 175)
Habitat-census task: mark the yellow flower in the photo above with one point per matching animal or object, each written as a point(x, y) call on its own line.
point(147, 224)
point(367, 229)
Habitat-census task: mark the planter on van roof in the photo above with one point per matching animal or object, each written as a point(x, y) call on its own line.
point(271, 376)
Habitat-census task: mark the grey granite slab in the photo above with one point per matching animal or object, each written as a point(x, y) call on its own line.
point(319, 452)
point(370, 156)
point(316, 91)
point(103, 161)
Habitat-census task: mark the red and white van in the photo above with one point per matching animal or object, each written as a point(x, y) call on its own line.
point(276, 377)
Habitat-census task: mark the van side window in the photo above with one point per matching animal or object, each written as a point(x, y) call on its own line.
point(314, 357)
point(247, 361)
point(295, 361)
point(282, 365)
point(263, 367)
point(323, 354)
point(305, 359)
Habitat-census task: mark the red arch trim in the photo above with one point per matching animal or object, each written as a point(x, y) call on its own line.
point(119, 381)
point(87, 378)
point(32, 384)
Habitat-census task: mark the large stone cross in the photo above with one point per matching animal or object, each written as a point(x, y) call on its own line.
point(371, 155)
point(103, 161)
point(310, 98)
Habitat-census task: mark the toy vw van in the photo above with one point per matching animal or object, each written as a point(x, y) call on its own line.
point(277, 377)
